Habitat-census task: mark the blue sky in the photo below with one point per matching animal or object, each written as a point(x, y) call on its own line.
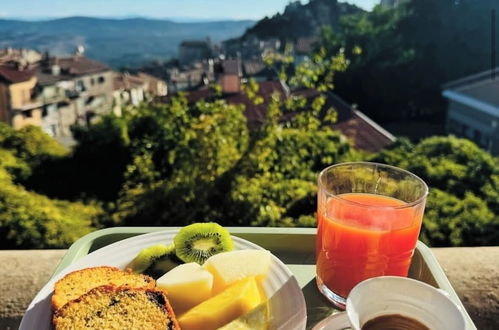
point(199, 9)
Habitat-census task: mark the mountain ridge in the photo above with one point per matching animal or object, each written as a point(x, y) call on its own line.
point(115, 41)
point(301, 20)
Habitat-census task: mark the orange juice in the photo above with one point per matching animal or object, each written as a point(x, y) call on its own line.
point(362, 235)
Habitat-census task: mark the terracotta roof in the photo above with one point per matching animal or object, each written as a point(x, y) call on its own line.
point(78, 65)
point(70, 67)
point(148, 77)
point(127, 81)
point(363, 133)
point(11, 74)
point(45, 76)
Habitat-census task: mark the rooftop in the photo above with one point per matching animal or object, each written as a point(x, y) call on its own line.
point(66, 68)
point(479, 91)
point(10, 74)
point(78, 65)
point(127, 81)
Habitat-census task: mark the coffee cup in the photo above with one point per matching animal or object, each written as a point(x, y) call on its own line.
point(385, 301)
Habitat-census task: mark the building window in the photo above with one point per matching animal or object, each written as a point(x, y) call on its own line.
point(101, 79)
point(80, 86)
point(45, 112)
point(28, 114)
point(92, 81)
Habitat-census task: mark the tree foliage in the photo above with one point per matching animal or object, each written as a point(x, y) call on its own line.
point(462, 205)
point(94, 169)
point(401, 57)
point(30, 220)
point(176, 163)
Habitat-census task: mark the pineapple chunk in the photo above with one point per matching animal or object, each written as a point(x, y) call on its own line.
point(187, 285)
point(236, 300)
point(233, 266)
point(257, 319)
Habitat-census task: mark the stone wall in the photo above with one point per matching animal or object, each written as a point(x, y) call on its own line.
point(474, 273)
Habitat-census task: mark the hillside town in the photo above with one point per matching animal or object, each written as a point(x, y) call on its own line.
point(58, 92)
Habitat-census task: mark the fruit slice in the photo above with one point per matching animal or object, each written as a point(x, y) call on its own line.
point(229, 267)
point(256, 319)
point(163, 265)
point(187, 285)
point(221, 309)
point(199, 241)
point(148, 256)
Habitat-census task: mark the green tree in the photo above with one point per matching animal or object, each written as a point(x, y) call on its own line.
point(463, 180)
point(30, 220)
point(453, 221)
point(401, 57)
point(94, 169)
point(179, 153)
point(30, 144)
point(276, 181)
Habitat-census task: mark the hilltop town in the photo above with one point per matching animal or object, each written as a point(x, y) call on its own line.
point(58, 93)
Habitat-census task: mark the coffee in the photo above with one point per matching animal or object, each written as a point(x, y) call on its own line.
point(394, 322)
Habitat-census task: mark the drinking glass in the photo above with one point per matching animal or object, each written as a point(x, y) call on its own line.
point(368, 221)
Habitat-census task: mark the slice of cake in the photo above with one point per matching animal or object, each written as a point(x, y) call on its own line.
point(77, 283)
point(110, 307)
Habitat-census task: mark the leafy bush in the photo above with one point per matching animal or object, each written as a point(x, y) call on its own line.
point(452, 221)
point(464, 189)
point(30, 220)
point(30, 144)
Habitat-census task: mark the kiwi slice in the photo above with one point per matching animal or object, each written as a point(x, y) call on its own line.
point(148, 256)
point(199, 241)
point(163, 265)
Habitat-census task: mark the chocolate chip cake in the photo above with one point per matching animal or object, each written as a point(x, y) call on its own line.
point(77, 283)
point(110, 307)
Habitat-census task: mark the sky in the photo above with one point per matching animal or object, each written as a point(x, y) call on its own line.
point(180, 9)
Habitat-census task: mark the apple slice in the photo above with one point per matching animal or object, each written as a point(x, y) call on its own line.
point(187, 285)
point(230, 267)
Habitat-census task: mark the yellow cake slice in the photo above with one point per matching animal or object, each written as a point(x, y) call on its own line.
point(110, 307)
point(77, 283)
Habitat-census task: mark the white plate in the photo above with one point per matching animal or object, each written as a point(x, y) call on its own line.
point(289, 303)
point(335, 321)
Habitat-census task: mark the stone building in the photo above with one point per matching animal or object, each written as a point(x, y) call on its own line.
point(191, 51)
point(73, 90)
point(18, 106)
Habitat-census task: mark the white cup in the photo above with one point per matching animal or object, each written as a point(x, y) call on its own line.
point(387, 295)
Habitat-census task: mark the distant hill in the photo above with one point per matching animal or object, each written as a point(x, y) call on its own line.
point(117, 42)
point(302, 20)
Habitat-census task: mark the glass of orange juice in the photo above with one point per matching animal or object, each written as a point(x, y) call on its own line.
point(368, 221)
